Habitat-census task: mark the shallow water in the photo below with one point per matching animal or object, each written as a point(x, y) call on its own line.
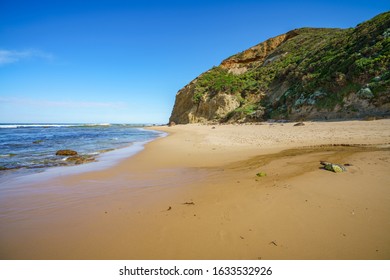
point(31, 148)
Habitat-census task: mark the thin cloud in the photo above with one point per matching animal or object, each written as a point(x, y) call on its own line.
point(13, 56)
point(65, 104)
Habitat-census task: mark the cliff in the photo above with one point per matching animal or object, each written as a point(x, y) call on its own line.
point(307, 73)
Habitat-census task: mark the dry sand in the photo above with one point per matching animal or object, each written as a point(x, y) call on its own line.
point(195, 195)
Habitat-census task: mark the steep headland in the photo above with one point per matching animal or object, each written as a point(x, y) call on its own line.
point(307, 73)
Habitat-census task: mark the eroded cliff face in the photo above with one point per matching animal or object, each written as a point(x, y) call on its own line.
point(307, 73)
point(259, 54)
point(208, 108)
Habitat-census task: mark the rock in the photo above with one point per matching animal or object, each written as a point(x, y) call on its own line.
point(80, 159)
point(66, 153)
point(365, 93)
point(337, 168)
point(37, 141)
point(209, 108)
point(260, 53)
point(261, 174)
point(299, 124)
point(171, 124)
point(369, 118)
point(386, 34)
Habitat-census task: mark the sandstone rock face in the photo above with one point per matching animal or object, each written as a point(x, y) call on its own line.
point(260, 54)
point(214, 108)
point(307, 73)
point(209, 108)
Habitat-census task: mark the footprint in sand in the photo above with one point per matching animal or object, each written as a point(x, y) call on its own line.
point(222, 235)
point(226, 216)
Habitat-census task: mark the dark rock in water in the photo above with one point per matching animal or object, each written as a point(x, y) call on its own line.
point(37, 141)
point(80, 159)
point(299, 124)
point(3, 168)
point(66, 153)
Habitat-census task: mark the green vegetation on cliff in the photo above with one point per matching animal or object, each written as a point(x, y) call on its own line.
point(308, 73)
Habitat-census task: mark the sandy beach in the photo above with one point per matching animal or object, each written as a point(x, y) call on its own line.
point(195, 195)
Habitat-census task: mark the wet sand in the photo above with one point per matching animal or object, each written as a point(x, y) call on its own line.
point(195, 195)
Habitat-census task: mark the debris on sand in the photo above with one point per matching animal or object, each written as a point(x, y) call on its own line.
point(189, 203)
point(273, 243)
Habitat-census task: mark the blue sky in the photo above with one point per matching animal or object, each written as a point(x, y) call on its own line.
point(124, 61)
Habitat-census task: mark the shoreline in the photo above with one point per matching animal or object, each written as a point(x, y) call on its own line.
point(102, 160)
point(195, 195)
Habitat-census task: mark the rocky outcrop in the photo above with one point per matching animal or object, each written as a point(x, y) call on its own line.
point(74, 158)
point(66, 153)
point(80, 159)
point(307, 73)
point(207, 108)
point(259, 54)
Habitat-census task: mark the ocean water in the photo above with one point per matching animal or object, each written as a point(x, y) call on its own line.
point(31, 148)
